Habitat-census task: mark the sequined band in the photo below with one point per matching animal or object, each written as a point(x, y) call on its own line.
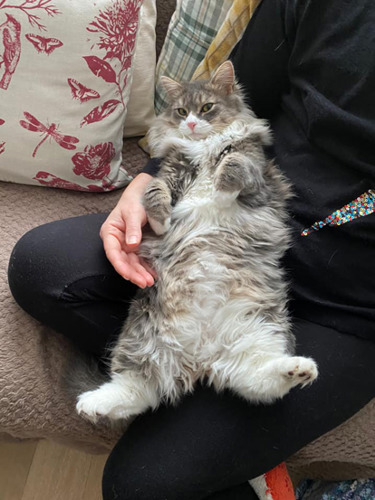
point(361, 206)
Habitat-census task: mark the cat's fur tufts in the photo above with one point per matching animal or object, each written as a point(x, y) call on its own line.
point(218, 311)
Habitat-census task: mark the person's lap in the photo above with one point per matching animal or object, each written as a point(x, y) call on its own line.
point(209, 442)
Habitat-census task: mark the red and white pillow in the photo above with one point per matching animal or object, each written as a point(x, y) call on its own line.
point(65, 77)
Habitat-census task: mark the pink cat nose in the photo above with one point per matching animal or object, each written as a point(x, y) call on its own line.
point(191, 125)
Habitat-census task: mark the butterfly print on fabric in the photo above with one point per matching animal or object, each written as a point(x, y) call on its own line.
point(80, 92)
point(33, 124)
point(2, 121)
point(43, 44)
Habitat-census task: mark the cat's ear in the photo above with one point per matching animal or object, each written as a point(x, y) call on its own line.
point(172, 88)
point(224, 77)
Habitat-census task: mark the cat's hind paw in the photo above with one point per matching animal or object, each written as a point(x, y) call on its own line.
point(126, 395)
point(299, 370)
point(93, 405)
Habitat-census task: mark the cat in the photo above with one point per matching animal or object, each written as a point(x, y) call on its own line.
point(218, 311)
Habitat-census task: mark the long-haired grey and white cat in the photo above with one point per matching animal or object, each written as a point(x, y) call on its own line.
point(218, 309)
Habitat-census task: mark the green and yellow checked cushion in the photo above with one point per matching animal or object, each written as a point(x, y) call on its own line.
point(191, 30)
point(229, 33)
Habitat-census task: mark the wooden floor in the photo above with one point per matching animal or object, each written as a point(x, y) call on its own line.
point(48, 471)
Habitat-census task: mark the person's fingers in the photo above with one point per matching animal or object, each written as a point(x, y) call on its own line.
point(120, 260)
point(135, 273)
point(148, 268)
point(121, 235)
point(138, 267)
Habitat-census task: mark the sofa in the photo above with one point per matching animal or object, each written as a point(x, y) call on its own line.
point(33, 401)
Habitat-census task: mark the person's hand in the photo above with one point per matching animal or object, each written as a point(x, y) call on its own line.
point(122, 233)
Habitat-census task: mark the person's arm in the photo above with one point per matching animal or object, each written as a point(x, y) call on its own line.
point(122, 233)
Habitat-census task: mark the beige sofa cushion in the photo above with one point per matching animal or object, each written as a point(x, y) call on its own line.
point(33, 403)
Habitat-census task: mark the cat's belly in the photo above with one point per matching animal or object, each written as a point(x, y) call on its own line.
point(192, 289)
point(198, 264)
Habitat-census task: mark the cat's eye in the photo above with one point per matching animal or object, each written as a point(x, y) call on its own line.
point(207, 107)
point(182, 112)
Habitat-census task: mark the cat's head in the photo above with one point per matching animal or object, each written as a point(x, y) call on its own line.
point(200, 108)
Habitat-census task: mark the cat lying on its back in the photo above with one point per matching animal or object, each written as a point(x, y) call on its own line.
point(218, 310)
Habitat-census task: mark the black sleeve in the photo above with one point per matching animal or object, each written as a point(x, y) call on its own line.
point(152, 167)
point(261, 57)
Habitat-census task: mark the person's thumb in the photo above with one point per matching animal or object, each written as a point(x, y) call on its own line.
point(133, 232)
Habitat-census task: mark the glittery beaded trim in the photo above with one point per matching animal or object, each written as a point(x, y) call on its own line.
point(361, 206)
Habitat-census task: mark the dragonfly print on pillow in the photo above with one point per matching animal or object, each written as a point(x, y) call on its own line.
point(47, 131)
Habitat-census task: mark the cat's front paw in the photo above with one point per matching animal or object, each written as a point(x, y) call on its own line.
point(157, 203)
point(230, 175)
point(159, 227)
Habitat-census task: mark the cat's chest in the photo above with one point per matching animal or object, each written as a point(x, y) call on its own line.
point(202, 188)
point(202, 203)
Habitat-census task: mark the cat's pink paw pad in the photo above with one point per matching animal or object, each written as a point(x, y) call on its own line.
point(301, 371)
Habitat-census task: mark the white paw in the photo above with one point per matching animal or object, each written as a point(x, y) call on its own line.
point(299, 370)
point(159, 228)
point(104, 402)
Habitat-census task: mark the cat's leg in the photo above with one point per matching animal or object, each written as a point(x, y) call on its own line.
point(268, 379)
point(258, 364)
point(126, 394)
point(157, 202)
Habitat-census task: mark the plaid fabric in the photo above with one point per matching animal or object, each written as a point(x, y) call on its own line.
point(192, 28)
point(228, 35)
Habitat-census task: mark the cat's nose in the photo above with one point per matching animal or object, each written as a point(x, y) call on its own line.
point(191, 125)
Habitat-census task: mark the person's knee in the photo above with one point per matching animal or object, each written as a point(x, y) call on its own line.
point(29, 270)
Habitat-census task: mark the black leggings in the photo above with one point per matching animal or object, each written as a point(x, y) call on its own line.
point(210, 444)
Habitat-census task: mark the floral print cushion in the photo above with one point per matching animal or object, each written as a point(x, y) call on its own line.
point(65, 76)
